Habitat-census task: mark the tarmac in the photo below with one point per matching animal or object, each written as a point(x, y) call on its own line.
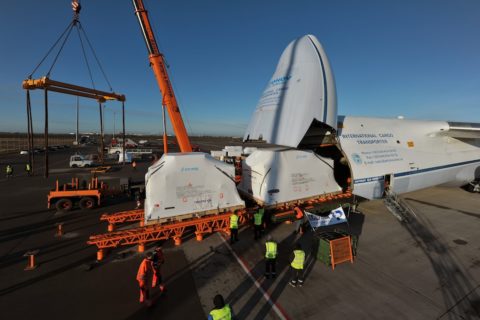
point(428, 268)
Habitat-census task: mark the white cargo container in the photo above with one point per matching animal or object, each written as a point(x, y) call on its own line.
point(234, 153)
point(233, 148)
point(189, 184)
point(249, 150)
point(274, 176)
point(217, 153)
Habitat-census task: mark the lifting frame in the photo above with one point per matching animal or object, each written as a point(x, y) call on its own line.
point(56, 86)
point(175, 230)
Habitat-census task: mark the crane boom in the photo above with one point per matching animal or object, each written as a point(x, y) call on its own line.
point(157, 62)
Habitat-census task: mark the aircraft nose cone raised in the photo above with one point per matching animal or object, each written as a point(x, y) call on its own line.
point(301, 90)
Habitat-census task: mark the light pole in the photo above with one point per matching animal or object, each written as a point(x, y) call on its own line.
point(76, 132)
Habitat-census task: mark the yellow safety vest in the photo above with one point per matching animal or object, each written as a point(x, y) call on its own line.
point(9, 169)
point(298, 260)
point(271, 248)
point(222, 314)
point(257, 217)
point(233, 221)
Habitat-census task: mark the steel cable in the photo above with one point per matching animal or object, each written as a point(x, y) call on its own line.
point(50, 50)
point(86, 60)
point(95, 56)
point(61, 48)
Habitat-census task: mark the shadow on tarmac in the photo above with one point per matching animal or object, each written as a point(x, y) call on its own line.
point(285, 248)
point(44, 276)
point(459, 296)
point(176, 300)
point(38, 227)
point(53, 246)
point(471, 214)
point(19, 215)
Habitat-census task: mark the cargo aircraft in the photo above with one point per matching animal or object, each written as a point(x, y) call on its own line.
point(298, 110)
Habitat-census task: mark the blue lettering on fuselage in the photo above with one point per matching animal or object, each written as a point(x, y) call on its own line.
point(280, 80)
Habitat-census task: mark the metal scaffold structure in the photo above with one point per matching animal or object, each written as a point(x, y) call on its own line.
point(156, 232)
point(201, 226)
point(46, 84)
point(122, 217)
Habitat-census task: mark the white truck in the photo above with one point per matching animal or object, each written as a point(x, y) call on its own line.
point(128, 157)
point(119, 150)
point(79, 161)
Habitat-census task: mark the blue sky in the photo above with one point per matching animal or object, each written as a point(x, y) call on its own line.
point(419, 59)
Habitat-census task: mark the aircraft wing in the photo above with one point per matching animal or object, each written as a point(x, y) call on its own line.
point(463, 130)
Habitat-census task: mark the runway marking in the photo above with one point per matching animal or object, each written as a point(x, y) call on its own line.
point(278, 310)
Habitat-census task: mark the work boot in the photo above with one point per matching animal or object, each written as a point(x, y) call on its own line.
point(292, 284)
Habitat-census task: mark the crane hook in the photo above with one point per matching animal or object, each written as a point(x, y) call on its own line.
point(76, 7)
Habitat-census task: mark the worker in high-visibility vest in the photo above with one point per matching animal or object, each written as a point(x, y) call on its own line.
point(297, 265)
point(158, 259)
point(9, 171)
point(28, 169)
point(270, 258)
point(222, 311)
point(233, 227)
point(144, 278)
point(299, 216)
point(258, 223)
point(138, 200)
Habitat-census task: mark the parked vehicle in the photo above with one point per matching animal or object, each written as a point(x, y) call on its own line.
point(128, 157)
point(79, 161)
point(136, 152)
point(88, 193)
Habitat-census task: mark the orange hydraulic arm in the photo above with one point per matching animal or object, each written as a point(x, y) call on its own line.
point(158, 65)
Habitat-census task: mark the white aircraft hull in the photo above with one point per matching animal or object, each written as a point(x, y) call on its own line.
point(412, 154)
point(298, 109)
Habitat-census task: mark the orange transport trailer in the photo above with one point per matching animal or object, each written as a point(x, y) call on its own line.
point(64, 198)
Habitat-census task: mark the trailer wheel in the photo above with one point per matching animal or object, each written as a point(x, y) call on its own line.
point(87, 203)
point(64, 205)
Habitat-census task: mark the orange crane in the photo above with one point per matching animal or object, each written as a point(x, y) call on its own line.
point(157, 63)
point(176, 229)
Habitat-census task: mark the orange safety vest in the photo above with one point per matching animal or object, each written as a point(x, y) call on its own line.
point(298, 213)
point(145, 271)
